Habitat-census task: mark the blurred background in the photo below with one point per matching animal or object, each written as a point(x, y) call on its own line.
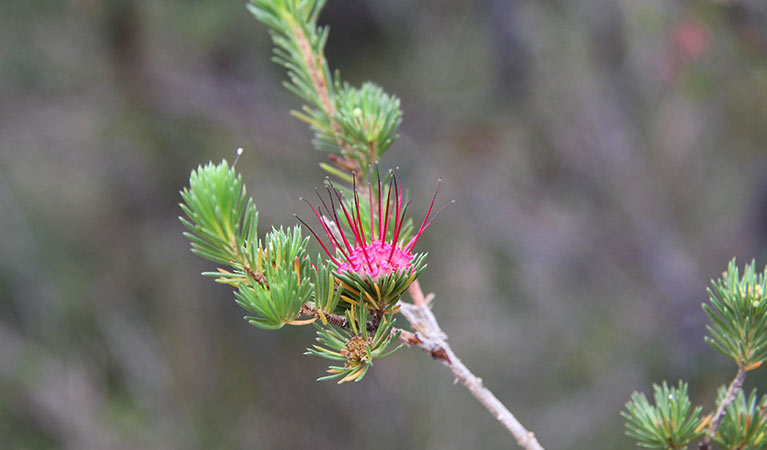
point(608, 158)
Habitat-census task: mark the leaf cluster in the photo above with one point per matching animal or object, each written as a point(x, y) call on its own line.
point(357, 123)
point(744, 426)
point(221, 221)
point(299, 46)
point(356, 347)
point(286, 287)
point(369, 119)
point(273, 278)
point(737, 308)
point(276, 283)
point(669, 424)
point(326, 296)
point(738, 312)
point(223, 227)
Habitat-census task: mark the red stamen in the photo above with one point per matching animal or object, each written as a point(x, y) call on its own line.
point(397, 231)
point(318, 240)
point(323, 202)
point(352, 223)
point(436, 214)
point(358, 221)
point(322, 222)
point(397, 206)
point(333, 240)
point(375, 264)
point(338, 222)
point(370, 196)
point(380, 219)
point(397, 221)
point(326, 228)
point(423, 224)
point(386, 215)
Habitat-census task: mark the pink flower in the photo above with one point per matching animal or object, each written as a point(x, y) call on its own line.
point(378, 251)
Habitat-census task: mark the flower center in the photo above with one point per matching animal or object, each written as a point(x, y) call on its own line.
point(377, 259)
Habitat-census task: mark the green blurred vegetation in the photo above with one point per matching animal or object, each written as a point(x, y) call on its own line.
point(607, 158)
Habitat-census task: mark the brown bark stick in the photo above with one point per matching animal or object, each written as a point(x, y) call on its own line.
point(430, 338)
point(729, 396)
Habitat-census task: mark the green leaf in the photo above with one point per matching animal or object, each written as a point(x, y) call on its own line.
point(326, 295)
point(354, 346)
point(744, 425)
point(215, 205)
point(738, 311)
point(272, 281)
point(369, 118)
point(299, 48)
point(357, 123)
point(669, 424)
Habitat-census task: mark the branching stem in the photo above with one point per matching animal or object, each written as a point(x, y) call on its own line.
point(335, 319)
point(729, 396)
point(430, 338)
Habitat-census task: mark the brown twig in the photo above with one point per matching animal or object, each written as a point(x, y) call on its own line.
point(729, 396)
point(335, 319)
point(430, 338)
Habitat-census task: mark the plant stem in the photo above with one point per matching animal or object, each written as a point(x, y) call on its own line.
point(335, 319)
point(315, 64)
point(430, 338)
point(729, 396)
